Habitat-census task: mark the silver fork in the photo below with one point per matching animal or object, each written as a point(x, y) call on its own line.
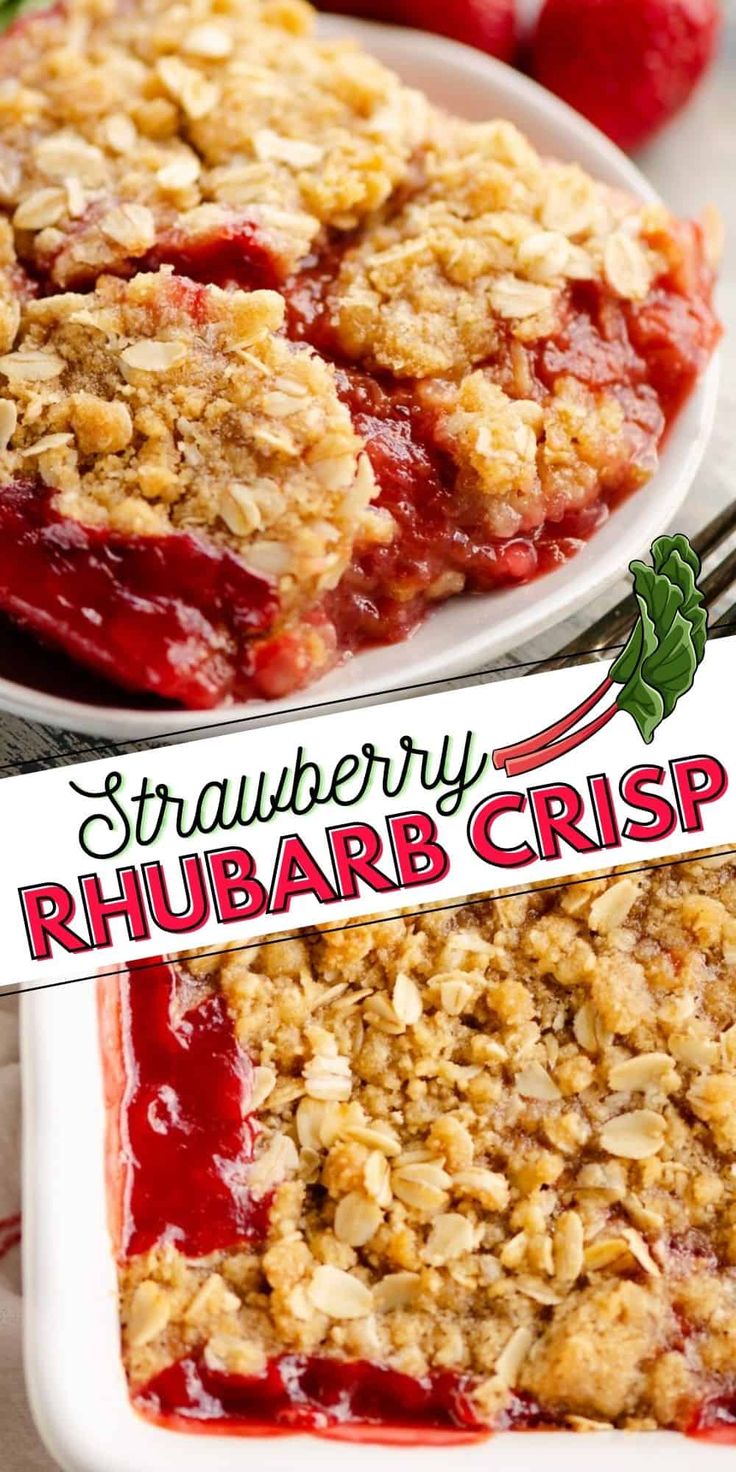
point(612, 629)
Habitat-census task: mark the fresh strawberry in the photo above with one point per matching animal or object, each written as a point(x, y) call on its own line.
point(386, 10)
point(490, 25)
point(628, 65)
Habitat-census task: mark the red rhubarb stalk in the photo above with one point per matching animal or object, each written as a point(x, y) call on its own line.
point(516, 766)
point(504, 755)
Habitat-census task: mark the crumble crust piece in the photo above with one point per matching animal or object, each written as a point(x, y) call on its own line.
point(157, 405)
point(123, 126)
point(499, 1141)
point(487, 245)
point(474, 271)
point(520, 462)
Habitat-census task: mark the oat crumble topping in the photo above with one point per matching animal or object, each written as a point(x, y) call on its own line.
point(519, 461)
point(12, 287)
point(499, 1141)
point(478, 262)
point(154, 405)
point(120, 125)
point(493, 236)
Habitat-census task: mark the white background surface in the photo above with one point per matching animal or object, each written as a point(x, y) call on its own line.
point(692, 163)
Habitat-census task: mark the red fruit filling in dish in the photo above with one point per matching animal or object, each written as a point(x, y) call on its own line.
point(715, 1421)
point(387, 589)
point(348, 1401)
point(186, 1123)
point(234, 257)
point(354, 1191)
point(187, 1141)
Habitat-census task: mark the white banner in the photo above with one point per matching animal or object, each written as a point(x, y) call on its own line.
point(244, 835)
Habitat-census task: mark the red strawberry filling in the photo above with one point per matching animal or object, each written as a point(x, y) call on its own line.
point(186, 1119)
point(343, 1400)
point(386, 591)
point(715, 1420)
point(173, 615)
point(235, 257)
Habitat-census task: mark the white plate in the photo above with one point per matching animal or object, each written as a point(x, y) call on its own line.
point(73, 1368)
point(466, 633)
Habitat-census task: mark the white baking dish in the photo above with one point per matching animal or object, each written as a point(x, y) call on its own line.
point(75, 1379)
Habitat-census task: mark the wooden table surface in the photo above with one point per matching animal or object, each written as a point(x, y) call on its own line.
point(693, 164)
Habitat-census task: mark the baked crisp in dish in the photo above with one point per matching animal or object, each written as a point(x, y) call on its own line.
point(438, 1174)
point(508, 338)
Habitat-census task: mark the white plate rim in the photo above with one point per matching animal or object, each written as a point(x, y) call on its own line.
point(455, 639)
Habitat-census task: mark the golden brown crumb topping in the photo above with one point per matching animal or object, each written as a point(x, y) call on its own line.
point(520, 461)
point(475, 268)
point(488, 244)
point(500, 1141)
point(155, 404)
point(120, 123)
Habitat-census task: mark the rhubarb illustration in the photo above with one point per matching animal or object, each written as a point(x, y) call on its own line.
point(654, 670)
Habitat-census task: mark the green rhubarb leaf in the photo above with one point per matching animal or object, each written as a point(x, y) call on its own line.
point(658, 602)
point(642, 701)
point(631, 656)
point(658, 665)
point(672, 666)
point(675, 558)
point(663, 547)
